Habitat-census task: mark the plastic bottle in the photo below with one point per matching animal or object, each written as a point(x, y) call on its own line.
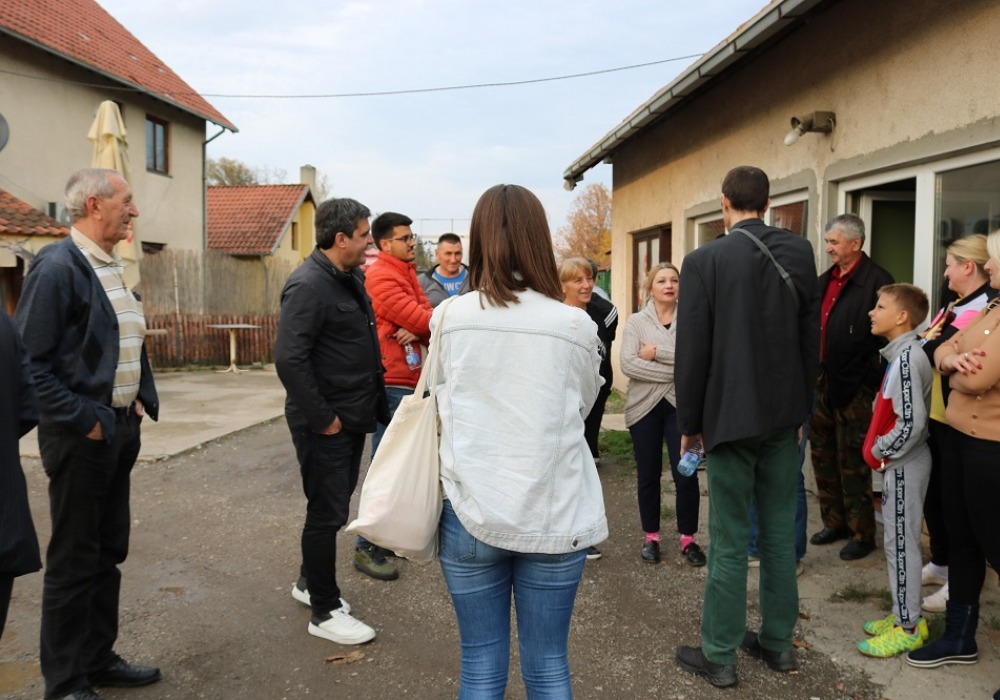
point(412, 357)
point(691, 459)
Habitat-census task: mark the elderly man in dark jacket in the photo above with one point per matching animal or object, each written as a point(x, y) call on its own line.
point(84, 332)
point(747, 345)
point(18, 414)
point(327, 356)
point(850, 373)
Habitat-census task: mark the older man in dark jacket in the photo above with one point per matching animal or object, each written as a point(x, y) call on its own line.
point(747, 346)
point(84, 332)
point(327, 356)
point(850, 372)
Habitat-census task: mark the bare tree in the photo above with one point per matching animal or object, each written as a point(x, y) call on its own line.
point(587, 231)
point(229, 171)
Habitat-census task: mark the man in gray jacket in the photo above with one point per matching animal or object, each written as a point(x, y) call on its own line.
point(449, 277)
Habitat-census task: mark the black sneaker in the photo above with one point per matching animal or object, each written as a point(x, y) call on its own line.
point(594, 553)
point(694, 555)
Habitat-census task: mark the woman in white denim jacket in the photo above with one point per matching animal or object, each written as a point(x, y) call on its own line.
point(523, 501)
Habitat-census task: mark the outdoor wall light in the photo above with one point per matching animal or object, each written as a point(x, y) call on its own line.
point(569, 183)
point(820, 122)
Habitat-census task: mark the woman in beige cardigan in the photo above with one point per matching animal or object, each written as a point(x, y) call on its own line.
point(647, 359)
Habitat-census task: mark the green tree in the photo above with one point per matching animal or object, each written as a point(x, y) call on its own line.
point(587, 231)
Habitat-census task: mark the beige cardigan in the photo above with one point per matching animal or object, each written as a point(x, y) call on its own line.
point(974, 403)
point(649, 381)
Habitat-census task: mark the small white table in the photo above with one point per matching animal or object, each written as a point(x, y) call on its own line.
point(232, 328)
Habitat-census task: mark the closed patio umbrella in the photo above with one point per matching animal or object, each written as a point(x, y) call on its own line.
point(107, 133)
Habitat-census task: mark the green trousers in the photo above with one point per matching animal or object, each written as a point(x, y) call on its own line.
point(764, 469)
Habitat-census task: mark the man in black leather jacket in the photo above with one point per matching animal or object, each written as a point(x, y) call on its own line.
point(850, 372)
point(327, 356)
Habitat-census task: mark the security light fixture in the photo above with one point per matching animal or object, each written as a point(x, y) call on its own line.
point(818, 122)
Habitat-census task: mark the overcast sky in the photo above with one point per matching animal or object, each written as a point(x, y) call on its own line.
point(427, 155)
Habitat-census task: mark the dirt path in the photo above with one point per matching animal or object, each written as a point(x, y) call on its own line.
point(215, 551)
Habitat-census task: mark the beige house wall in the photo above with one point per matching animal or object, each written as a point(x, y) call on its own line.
point(49, 115)
point(911, 83)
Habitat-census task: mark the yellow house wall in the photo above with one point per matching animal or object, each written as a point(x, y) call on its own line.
point(305, 217)
point(909, 82)
point(49, 122)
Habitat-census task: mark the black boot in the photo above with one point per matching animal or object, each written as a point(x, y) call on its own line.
point(958, 643)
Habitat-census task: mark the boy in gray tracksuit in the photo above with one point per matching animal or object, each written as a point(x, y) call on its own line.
point(896, 445)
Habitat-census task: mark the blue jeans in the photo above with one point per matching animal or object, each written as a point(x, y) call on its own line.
point(480, 579)
point(801, 507)
point(394, 395)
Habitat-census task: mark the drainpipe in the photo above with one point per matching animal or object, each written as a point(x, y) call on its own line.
point(204, 209)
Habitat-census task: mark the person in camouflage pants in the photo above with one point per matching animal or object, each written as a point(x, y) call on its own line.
point(836, 437)
point(850, 373)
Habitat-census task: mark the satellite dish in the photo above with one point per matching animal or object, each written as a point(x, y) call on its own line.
point(4, 132)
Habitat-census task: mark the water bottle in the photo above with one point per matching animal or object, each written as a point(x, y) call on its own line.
point(691, 459)
point(412, 357)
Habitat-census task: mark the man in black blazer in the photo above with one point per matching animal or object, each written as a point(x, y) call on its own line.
point(746, 359)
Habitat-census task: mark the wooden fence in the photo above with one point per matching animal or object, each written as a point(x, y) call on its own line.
point(186, 291)
point(188, 339)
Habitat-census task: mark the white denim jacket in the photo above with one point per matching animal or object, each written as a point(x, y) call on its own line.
point(515, 384)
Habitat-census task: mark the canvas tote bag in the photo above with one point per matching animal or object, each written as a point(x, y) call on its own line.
point(400, 502)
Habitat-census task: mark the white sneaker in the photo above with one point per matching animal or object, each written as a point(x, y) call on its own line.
point(936, 602)
point(341, 628)
point(302, 595)
point(933, 575)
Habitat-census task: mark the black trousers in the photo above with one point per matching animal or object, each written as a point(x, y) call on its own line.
point(6, 588)
point(592, 423)
point(89, 483)
point(648, 436)
point(329, 465)
point(970, 484)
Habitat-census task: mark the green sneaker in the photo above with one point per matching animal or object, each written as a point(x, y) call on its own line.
point(881, 626)
point(371, 561)
point(893, 642)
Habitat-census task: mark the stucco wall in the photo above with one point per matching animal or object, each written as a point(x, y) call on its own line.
point(49, 120)
point(909, 82)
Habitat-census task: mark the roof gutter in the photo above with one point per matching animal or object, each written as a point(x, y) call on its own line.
point(775, 19)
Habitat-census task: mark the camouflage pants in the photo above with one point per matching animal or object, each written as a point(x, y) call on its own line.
point(843, 479)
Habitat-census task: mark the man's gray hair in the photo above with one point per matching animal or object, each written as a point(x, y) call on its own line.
point(850, 224)
point(88, 182)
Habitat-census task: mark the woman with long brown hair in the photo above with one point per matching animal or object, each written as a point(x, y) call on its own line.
point(523, 501)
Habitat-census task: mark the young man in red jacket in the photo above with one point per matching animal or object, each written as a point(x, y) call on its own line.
point(403, 315)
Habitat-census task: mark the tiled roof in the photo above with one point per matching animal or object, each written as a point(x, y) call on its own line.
point(81, 31)
point(18, 218)
point(249, 219)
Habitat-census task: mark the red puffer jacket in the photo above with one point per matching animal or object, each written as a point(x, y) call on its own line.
point(399, 302)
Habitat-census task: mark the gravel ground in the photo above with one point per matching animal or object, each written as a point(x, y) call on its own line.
point(215, 552)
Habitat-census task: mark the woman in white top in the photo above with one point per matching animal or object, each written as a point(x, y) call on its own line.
point(647, 359)
point(520, 371)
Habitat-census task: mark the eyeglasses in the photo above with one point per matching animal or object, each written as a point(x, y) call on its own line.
point(407, 238)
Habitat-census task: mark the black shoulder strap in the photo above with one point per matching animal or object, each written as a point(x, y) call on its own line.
point(781, 271)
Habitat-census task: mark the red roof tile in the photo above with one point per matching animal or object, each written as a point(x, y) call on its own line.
point(249, 219)
point(19, 218)
point(84, 33)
